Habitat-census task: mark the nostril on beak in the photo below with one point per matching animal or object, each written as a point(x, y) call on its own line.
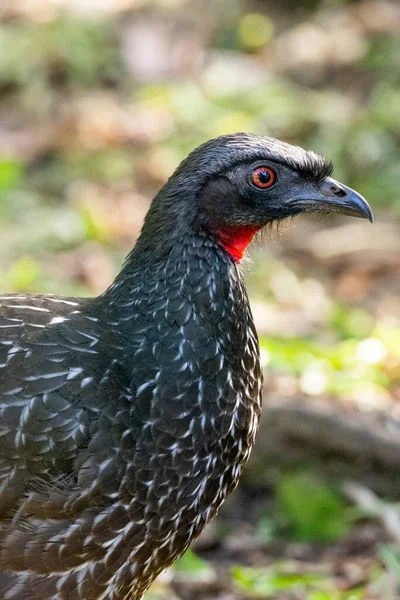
point(338, 191)
point(332, 189)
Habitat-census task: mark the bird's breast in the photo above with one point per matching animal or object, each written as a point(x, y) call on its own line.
point(192, 409)
point(194, 414)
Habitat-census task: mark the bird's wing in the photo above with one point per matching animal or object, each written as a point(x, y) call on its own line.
point(43, 417)
point(59, 382)
point(52, 370)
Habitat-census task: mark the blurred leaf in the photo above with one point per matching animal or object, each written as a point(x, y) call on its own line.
point(355, 594)
point(384, 51)
point(11, 173)
point(341, 367)
point(23, 274)
point(84, 48)
point(255, 31)
point(266, 529)
point(314, 511)
point(350, 323)
point(190, 564)
point(96, 223)
point(110, 165)
point(391, 557)
point(266, 582)
point(390, 337)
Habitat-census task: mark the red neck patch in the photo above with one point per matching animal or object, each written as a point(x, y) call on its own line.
point(236, 239)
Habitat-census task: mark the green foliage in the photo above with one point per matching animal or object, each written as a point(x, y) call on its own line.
point(81, 50)
point(354, 594)
point(390, 555)
point(359, 356)
point(266, 582)
point(313, 510)
point(194, 567)
point(255, 30)
point(270, 582)
point(11, 172)
point(350, 322)
point(23, 274)
point(268, 528)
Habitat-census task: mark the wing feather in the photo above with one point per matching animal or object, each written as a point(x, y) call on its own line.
point(51, 401)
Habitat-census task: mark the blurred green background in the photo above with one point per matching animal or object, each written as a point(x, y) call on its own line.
point(99, 102)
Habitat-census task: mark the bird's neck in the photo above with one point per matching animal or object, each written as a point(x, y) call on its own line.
point(234, 239)
point(177, 247)
point(193, 266)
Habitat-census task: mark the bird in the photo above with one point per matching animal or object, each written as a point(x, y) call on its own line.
point(126, 419)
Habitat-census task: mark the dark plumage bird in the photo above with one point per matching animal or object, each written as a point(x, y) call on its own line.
point(125, 420)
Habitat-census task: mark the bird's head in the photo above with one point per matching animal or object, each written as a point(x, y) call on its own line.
point(239, 183)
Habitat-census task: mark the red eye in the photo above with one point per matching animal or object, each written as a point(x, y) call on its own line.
point(263, 177)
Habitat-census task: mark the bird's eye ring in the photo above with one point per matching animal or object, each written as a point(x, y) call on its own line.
point(263, 177)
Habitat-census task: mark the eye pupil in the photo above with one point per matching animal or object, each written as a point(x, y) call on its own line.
point(264, 177)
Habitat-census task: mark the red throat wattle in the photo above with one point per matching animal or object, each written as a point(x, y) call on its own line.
point(236, 239)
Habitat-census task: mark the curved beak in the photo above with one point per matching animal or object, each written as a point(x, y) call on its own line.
point(333, 196)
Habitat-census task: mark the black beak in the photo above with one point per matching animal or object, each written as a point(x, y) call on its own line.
point(333, 196)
